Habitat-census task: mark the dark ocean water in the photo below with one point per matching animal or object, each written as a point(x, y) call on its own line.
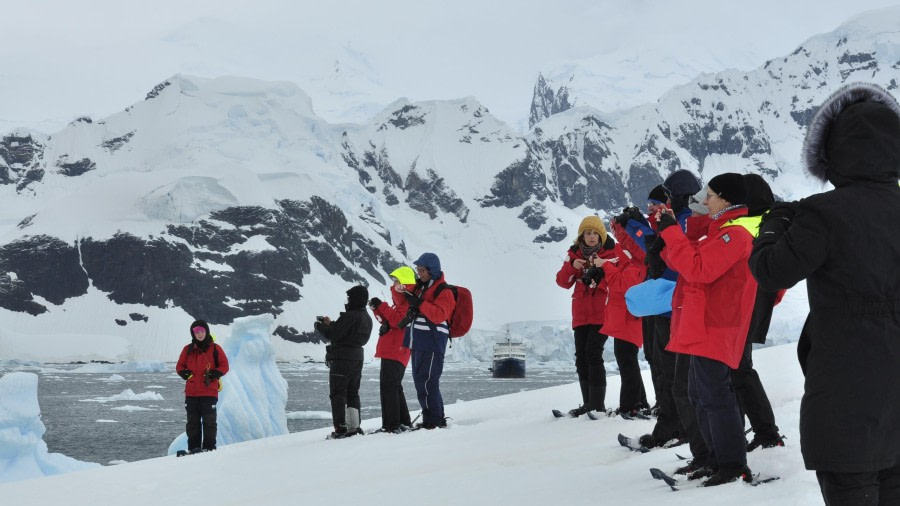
point(130, 430)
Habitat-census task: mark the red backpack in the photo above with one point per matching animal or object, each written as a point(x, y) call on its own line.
point(461, 319)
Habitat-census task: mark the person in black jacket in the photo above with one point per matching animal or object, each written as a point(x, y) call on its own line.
point(751, 395)
point(344, 356)
point(845, 243)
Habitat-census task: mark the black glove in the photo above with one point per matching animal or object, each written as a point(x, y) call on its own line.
point(622, 219)
point(374, 302)
point(214, 374)
point(384, 329)
point(679, 202)
point(666, 220)
point(655, 264)
point(776, 222)
point(185, 374)
point(412, 299)
point(593, 275)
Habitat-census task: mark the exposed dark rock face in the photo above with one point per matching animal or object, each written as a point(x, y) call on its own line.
point(534, 215)
point(546, 102)
point(76, 168)
point(553, 234)
point(116, 143)
point(20, 160)
point(430, 194)
point(121, 323)
point(213, 282)
point(517, 183)
point(156, 89)
point(138, 317)
point(406, 117)
point(43, 266)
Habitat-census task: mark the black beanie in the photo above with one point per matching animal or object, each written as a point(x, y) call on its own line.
point(357, 297)
point(759, 195)
point(682, 182)
point(730, 186)
point(658, 194)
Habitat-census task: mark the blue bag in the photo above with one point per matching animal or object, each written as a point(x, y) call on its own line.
point(652, 297)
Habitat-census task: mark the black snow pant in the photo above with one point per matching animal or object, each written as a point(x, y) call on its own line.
point(632, 394)
point(648, 329)
point(878, 488)
point(427, 368)
point(201, 422)
point(589, 344)
point(394, 411)
point(668, 424)
point(718, 416)
point(752, 397)
point(686, 411)
point(344, 377)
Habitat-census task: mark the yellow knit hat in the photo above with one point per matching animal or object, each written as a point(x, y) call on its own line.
point(593, 223)
point(405, 275)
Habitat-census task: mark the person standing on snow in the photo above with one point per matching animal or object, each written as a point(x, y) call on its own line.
point(201, 364)
point(844, 243)
point(427, 333)
point(394, 356)
point(588, 310)
point(751, 395)
point(718, 296)
point(344, 356)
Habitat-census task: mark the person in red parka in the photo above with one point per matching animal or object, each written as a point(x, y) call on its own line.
point(718, 299)
point(588, 310)
point(625, 328)
point(201, 364)
point(394, 356)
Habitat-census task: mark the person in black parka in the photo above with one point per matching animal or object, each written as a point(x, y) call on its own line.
point(344, 356)
point(846, 244)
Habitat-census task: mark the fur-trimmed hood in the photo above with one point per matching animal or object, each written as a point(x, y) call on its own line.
point(855, 136)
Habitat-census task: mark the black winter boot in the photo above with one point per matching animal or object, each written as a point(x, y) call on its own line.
point(597, 400)
point(727, 475)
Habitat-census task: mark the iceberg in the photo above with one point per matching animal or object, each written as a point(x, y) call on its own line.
point(23, 452)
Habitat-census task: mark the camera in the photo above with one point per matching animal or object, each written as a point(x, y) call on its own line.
point(592, 276)
point(411, 315)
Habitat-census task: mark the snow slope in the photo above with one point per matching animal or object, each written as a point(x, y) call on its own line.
point(506, 449)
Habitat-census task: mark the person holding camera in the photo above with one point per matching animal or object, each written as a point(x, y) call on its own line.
point(844, 243)
point(426, 334)
point(394, 356)
point(588, 309)
point(201, 364)
point(344, 357)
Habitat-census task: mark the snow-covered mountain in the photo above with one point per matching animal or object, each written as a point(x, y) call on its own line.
point(230, 197)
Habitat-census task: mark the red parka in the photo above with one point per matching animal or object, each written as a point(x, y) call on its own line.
point(390, 345)
point(621, 276)
point(198, 362)
point(719, 293)
point(588, 304)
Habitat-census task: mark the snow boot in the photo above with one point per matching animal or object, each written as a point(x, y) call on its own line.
point(765, 442)
point(727, 475)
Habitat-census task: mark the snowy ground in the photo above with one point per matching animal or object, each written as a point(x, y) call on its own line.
point(506, 449)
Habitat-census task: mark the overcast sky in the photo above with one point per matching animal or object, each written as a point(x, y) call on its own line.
point(65, 58)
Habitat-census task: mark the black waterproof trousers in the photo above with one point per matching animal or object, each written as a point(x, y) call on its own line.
point(710, 391)
point(201, 423)
point(394, 411)
point(752, 397)
point(589, 344)
point(668, 423)
point(879, 488)
point(343, 383)
point(632, 394)
point(686, 411)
